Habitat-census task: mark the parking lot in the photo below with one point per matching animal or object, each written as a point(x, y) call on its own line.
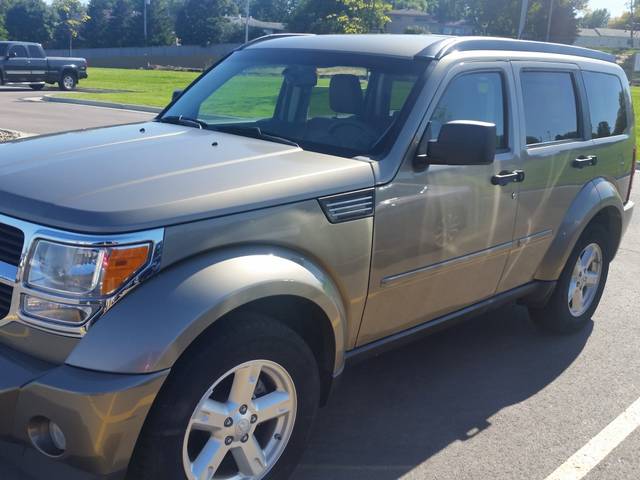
point(490, 399)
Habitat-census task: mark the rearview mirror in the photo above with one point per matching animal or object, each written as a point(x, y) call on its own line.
point(461, 142)
point(176, 94)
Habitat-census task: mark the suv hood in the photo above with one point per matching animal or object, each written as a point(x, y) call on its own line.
point(136, 177)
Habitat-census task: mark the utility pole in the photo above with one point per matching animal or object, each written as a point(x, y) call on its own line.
point(146, 31)
point(631, 18)
point(549, 19)
point(246, 23)
point(523, 17)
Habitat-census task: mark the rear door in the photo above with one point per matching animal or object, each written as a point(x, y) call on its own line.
point(38, 64)
point(555, 138)
point(18, 65)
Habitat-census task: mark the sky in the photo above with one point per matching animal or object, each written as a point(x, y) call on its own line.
point(615, 7)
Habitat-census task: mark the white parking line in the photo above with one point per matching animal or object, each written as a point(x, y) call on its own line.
point(586, 459)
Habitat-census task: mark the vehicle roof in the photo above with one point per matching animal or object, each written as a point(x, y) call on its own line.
point(11, 42)
point(419, 46)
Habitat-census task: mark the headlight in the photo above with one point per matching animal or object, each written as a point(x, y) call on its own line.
point(84, 271)
point(69, 284)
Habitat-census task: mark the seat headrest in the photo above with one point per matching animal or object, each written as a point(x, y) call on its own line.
point(345, 94)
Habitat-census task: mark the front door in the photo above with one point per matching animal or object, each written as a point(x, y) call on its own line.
point(443, 234)
point(18, 66)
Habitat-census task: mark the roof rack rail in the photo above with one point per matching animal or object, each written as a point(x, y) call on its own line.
point(444, 47)
point(272, 36)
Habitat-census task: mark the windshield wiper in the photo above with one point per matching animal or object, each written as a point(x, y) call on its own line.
point(182, 120)
point(253, 132)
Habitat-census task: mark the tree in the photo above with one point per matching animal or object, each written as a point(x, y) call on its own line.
point(268, 10)
point(160, 25)
point(118, 31)
point(95, 30)
point(29, 20)
point(71, 16)
point(340, 16)
point(4, 6)
point(564, 21)
point(595, 18)
point(420, 5)
point(203, 22)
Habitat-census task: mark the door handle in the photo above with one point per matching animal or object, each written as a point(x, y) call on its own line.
point(506, 177)
point(585, 161)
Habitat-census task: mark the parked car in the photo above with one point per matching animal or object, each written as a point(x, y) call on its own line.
point(179, 296)
point(23, 62)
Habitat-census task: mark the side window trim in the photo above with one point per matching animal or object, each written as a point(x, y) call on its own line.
point(579, 96)
point(506, 110)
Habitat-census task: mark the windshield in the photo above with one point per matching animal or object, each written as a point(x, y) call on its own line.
point(337, 103)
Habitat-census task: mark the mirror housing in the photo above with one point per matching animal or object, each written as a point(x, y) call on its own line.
point(460, 142)
point(12, 55)
point(176, 94)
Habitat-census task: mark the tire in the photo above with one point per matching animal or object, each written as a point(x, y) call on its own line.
point(37, 86)
point(161, 453)
point(562, 314)
point(68, 82)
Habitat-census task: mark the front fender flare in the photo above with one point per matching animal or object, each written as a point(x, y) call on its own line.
point(595, 196)
point(151, 327)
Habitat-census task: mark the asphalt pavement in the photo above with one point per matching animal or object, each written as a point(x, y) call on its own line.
point(489, 399)
point(19, 112)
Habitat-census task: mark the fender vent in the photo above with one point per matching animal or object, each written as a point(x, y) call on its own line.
point(349, 206)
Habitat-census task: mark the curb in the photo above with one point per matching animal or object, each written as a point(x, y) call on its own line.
point(95, 103)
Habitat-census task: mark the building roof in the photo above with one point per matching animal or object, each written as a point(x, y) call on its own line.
point(424, 46)
point(604, 32)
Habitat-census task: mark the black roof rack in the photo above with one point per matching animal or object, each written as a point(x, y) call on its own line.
point(444, 47)
point(272, 36)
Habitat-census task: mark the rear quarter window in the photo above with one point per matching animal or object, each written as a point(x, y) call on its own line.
point(550, 106)
point(607, 104)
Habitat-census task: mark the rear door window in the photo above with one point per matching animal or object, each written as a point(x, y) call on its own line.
point(607, 104)
point(36, 52)
point(473, 96)
point(550, 106)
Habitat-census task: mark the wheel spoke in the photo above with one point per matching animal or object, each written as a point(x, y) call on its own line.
point(576, 299)
point(250, 458)
point(273, 405)
point(211, 416)
point(209, 459)
point(244, 384)
point(587, 257)
point(592, 278)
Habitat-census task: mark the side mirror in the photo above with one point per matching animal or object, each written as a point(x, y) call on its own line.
point(13, 54)
point(176, 94)
point(461, 142)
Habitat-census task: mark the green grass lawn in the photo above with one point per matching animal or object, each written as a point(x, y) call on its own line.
point(635, 94)
point(143, 87)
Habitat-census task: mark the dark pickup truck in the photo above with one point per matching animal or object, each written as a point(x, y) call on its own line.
point(23, 62)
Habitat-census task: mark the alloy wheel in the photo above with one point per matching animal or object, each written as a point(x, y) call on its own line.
point(242, 424)
point(585, 279)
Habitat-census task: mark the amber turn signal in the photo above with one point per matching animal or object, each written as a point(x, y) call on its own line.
point(120, 265)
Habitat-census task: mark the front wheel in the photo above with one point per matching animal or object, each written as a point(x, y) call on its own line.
point(239, 405)
point(579, 287)
point(68, 82)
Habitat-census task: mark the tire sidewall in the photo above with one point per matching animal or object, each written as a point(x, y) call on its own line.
point(566, 321)
point(202, 367)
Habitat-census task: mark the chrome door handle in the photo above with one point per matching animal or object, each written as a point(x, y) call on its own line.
point(585, 161)
point(506, 177)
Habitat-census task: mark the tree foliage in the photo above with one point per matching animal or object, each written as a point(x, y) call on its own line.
point(595, 18)
point(29, 20)
point(340, 16)
point(203, 22)
point(420, 5)
point(69, 19)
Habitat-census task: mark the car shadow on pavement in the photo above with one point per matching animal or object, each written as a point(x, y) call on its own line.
point(391, 413)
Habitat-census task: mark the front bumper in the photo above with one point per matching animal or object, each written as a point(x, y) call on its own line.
point(100, 414)
point(82, 74)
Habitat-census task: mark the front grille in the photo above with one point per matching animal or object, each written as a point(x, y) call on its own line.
point(11, 242)
point(6, 293)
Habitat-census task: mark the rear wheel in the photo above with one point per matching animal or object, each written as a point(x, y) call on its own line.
point(68, 81)
point(579, 287)
point(238, 406)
